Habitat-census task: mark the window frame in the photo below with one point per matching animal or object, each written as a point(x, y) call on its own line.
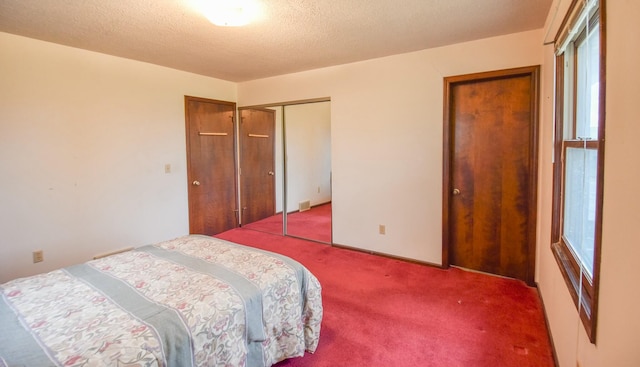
point(582, 287)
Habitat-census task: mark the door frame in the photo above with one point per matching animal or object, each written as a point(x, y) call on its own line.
point(447, 155)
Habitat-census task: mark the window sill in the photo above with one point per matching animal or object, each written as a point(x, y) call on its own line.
point(579, 285)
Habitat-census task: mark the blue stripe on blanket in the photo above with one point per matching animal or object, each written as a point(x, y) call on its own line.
point(299, 269)
point(251, 296)
point(171, 330)
point(14, 333)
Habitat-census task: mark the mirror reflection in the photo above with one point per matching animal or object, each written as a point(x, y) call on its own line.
point(301, 171)
point(307, 143)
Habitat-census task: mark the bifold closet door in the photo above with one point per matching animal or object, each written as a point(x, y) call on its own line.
point(257, 164)
point(211, 169)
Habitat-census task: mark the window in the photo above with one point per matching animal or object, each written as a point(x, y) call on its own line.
point(578, 155)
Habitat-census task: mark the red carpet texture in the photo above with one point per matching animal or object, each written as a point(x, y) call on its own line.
point(386, 312)
point(314, 224)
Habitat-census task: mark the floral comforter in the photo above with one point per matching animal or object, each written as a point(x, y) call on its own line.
point(192, 301)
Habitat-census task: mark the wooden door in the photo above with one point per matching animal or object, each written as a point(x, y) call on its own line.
point(490, 172)
point(211, 170)
point(257, 164)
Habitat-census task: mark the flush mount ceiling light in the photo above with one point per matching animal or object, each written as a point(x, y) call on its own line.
point(229, 13)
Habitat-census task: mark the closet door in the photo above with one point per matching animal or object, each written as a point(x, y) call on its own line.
point(211, 172)
point(257, 164)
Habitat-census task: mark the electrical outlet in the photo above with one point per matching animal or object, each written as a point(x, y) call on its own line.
point(167, 168)
point(38, 256)
point(382, 229)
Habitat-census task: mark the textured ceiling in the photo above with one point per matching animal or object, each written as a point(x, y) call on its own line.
point(291, 35)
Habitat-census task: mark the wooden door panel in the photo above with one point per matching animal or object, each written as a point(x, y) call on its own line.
point(257, 164)
point(211, 165)
point(491, 223)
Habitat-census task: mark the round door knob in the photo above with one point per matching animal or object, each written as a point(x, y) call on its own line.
point(196, 183)
point(270, 173)
point(456, 192)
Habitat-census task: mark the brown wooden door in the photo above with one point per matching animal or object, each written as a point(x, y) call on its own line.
point(211, 171)
point(257, 164)
point(490, 172)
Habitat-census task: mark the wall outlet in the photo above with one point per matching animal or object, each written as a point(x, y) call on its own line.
point(382, 229)
point(38, 256)
point(167, 168)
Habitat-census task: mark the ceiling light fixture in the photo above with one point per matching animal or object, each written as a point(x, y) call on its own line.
point(229, 13)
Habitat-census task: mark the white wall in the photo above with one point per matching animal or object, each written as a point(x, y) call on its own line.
point(386, 134)
point(618, 319)
point(84, 139)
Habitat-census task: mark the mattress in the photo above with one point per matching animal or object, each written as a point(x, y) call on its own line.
point(191, 301)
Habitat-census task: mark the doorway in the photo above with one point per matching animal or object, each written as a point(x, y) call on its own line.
point(211, 168)
point(490, 172)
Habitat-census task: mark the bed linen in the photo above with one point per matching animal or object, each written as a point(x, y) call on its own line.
point(191, 301)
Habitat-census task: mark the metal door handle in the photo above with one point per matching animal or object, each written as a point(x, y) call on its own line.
point(456, 192)
point(270, 173)
point(196, 183)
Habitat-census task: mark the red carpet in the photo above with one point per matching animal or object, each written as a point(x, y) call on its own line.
point(385, 312)
point(313, 224)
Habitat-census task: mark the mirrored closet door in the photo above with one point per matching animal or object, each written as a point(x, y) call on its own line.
point(301, 170)
point(307, 146)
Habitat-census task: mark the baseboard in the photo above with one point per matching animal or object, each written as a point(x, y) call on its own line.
point(546, 321)
point(312, 206)
point(100, 256)
point(389, 256)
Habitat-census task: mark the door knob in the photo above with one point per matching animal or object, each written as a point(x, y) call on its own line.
point(196, 183)
point(270, 173)
point(456, 192)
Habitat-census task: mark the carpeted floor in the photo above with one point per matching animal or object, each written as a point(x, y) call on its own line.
point(314, 224)
point(385, 312)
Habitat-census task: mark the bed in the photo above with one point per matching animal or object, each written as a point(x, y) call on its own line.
point(191, 301)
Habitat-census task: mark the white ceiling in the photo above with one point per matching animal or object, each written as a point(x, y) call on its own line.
point(291, 36)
